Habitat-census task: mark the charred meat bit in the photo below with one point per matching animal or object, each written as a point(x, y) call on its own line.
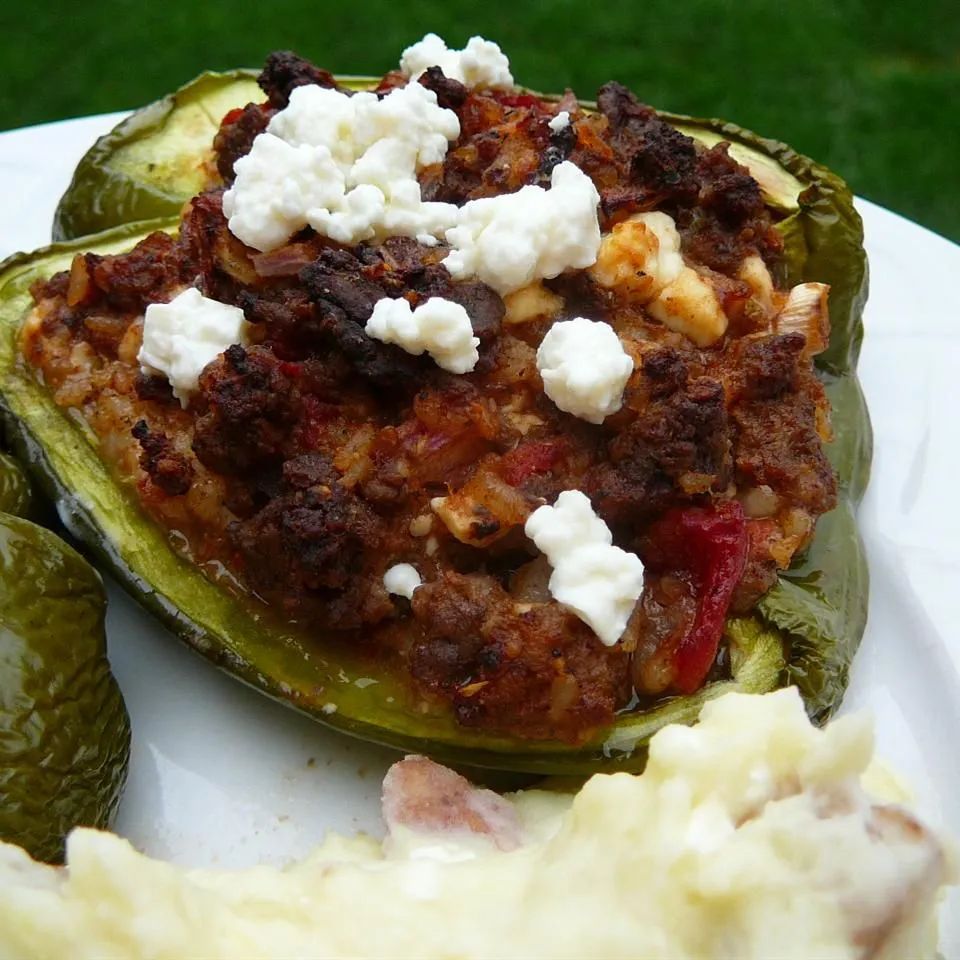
point(482, 303)
point(726, 187)
point(382, 364)
point(284, 71)
point(776, 444)
point(660, 160)
point(677, 448)
point(730, 220)
point(154, 389)
point(128, 282)
point(170, 471)
point(345, 298)
point(250, 406)
point(201, 226)
point(774, 410)
point(309, 543)
point(233, 140)
point(450, 93)
point(336, 277)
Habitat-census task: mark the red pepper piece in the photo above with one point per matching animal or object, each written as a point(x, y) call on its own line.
point(539, 456)
point(518, 100)
point(711, 543)
point(231, 116)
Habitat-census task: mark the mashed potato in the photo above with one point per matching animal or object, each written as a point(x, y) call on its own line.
point(750, 835)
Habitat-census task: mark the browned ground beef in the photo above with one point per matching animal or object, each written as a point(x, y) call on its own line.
point(307, 462)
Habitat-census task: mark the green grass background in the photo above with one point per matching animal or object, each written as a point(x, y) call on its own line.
point(871, 89)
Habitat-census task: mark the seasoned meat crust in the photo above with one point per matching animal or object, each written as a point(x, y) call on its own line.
point(314, 458)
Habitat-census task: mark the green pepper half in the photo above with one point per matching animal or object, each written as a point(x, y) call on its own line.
point(64, 731)
point(16, 497)
point(159, 157)
point(805, 631)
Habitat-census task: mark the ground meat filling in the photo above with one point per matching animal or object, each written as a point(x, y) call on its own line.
point(235, 137)
point(308, 547)
point(313, 458)
point(679, 440)
point(533, 667)
point(284, 71)
point(250, 408)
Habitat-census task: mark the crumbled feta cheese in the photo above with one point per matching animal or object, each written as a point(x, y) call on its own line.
point(584, 368)
point(347, 166)
point(344, 165)
point(569, 523)
point(420, 526)
point(402, 579)
point(480, 64)
point(439, 327)
point(511, 240)
point(690, 306)
point(753, 271)
point(560, 122)
point(640, 259)
point(640, 256)
point(181, 337)
point(597, 581)
point(276, 185)
point(534, 302)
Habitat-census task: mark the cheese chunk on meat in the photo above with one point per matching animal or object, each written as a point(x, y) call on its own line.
point(640, 260)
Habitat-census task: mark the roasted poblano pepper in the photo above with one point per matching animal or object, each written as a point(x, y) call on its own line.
point(64, 732)
point(158, 157)
point(805, 631)
point(15, 493)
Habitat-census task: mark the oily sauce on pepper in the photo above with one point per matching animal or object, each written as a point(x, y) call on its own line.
point(311, 461)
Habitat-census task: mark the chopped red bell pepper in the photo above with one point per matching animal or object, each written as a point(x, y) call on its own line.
point(231, 116)
point(527, 100)
point(711, 543)
point(538, 456)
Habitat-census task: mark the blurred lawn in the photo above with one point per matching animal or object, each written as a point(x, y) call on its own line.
point(871, 89)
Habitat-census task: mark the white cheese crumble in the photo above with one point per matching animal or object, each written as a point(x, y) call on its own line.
point(401, 580)
point(439, 327)
point(181, 337)
point(511, 240)
point(347, 166)
point(597, 581)
point(277, 185)
point(584, 368)
point(560, 122)
point(480, 64)
point(641, 260)
point(344, 165)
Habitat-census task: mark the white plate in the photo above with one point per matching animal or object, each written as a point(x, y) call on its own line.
point(219, 774)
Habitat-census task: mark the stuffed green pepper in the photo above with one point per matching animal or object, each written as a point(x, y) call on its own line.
point(498, 427)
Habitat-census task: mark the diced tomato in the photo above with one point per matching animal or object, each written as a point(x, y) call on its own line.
point(518, 100)
point(316, 416)
point(711, 543)
point(530, 458)
point(231, 116)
